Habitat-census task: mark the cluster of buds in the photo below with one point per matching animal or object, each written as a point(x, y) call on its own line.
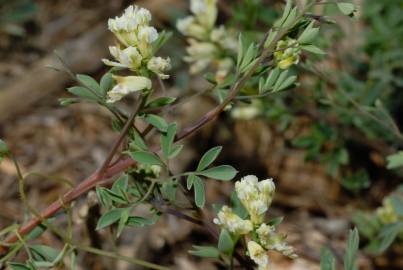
point(208, 45)
point(134, 51)
point(287, 53)
point(256, 196)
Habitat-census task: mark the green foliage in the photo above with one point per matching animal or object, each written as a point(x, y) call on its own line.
point(205, 251)
point(225, 242)
point(328, 260)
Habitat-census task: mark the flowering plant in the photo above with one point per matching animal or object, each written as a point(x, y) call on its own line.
point(138, 171)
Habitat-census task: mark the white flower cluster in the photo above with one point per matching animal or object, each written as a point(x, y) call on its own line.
point(134, 51)
point(208, 46)
point(256, 196)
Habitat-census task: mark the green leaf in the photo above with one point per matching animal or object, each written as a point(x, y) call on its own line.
point(102, 196)
point(161, 102)
point(90, 83)
point(118, 197)
point(68, 101)
point(395, 161)
point(199, 192)
point(169, 190)
point(205, 251)
point(223, 172)
point(18, 266)
point(351, 252)
point(136, 221)
point(309, 34)
point(146, 158)
point(175, 151)
point(225, 242)
point(209, 158)
point(327, 260)
point(106, 83)
point(120, 185)
point(157, 121)
point(82, 92)
point(287, 83)
point(44, 253)
point(385, 238)
point(347, 9)
point(190, 180)
point(312, 49)
point(138, 143)
point(275, 221)
point(167, 140)
point(110, 218)
point(122, 221)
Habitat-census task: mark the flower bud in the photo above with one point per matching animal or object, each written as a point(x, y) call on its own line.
point(287, 53)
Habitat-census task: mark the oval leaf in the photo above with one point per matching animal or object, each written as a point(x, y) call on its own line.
point(209, 158)
point(223, 172)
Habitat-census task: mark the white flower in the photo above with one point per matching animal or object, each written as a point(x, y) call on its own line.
point(189, 27)
point(127, 85)
point(159, 65)
point(132, 17)
point(205, 11)
point(271, 240)
point(245, 112)
point(201, 54)
point(258, 255)
point(147, 34)
point(127, 58)
point(255, 196)
point(232, 222)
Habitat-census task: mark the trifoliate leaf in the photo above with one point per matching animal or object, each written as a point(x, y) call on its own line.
point(110, 217)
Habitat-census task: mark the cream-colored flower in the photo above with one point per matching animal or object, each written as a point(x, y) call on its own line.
point(127, 58)
point(205, 11)
point(227, 219)
point(188, 26)
point(127, 85)
point(259, 255)
point(126, 26)
point(200, 54)
point(159, 65)
point(255, 196)
point(224, 67)
point(245, 112)
point(271, 240)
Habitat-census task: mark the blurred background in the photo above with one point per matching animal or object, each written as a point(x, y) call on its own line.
point(325, 143)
